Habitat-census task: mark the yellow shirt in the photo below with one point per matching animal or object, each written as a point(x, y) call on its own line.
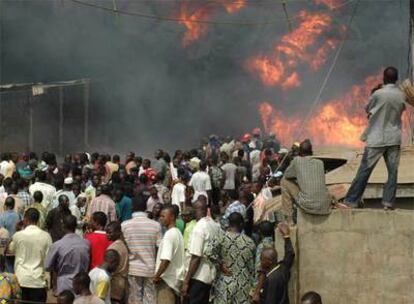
point(30, 247)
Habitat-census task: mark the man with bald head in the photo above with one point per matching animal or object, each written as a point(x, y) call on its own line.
point(277, 274)
point(304, 185)
point(200, 271)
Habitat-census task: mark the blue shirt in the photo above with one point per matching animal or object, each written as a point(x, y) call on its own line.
point(8, 220)
point(124, 209)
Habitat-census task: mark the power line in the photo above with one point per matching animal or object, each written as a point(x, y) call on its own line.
point(114, 9)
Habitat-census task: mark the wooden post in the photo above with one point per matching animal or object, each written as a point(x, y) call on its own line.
point(86, 95)
point(61, 120)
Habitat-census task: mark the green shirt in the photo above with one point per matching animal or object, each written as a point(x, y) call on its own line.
point(179, 223)
point(187, 231)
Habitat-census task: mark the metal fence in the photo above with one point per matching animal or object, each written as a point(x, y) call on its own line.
point(45, 117)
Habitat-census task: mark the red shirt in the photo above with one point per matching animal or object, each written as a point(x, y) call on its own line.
point(99, 244)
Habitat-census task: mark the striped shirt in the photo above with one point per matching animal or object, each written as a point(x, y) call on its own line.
point(313, 194)
point(142, 236)
point(104, 204)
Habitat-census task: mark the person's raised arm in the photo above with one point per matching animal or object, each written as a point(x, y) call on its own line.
point(289, 251)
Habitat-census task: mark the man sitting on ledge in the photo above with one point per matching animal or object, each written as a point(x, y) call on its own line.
point(304, 184)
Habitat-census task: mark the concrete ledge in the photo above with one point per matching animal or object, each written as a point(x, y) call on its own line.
point(355, 256)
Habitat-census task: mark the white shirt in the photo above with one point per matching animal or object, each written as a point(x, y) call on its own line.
point(172, 249)
point(4, 167)
point(178, 194)
point(230, 172)
point(100, 284)
point(69, 194)
point(31, 246)
point(203, 232)
point(48, 192)
point(201, 183)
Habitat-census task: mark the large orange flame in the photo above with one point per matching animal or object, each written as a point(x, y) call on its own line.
point(189, 13)
point(339, 121)
point(302, 45)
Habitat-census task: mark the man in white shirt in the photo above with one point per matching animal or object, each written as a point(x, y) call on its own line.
point(170, 260)
point(47, 190)
point(201, 272)
point(30, 247)
point(178, 191)
point(201, 183)
point(4, 164)
point(229, 170)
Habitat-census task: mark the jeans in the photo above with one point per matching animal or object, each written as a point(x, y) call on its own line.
point(369, 160)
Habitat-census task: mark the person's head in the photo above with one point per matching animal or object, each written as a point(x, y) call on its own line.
point(9, 203)
point(66, 297)
point(146, 163)
point(202, 198)
point(81, 201)
point(390, 75)
point(203, 166)
point(111, 260)
point(31, 217)
point(234, 195)
point(69, 223)
point(41, 176)
point(14, 188)
point(268, 258)
point(63, 201)
point(96, 180)
point(81, 283)
point(158, 154)
point(106, 189)
point(118, 194)
point(98, 220)
point(266, 229)
point(76, 189)
point(305, 148)
point(156, 210)
point(38, 197)
point(168, 216)
point(176, 210)
point(311, 297)
point(114, 231)
point(166, 197)
point(153, 192)
point(5, 156)
point(116, 159)
point(200, 209)
point(187, 215)
point(139, 204)
point(236, 221)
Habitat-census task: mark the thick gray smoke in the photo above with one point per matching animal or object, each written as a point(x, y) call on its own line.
point(148, 91)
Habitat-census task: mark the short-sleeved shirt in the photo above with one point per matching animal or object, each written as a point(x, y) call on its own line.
point(100, 284)
point(30, 247)
point(172, 249)
point(67, 257)
point(204, 231)
point(313, 194)
point(8, 220)
point(385, 108)
point(99, 244)
point(142, 236)
point(178, 194)
point(230, 170)
point(201, 183)
point(105, 204)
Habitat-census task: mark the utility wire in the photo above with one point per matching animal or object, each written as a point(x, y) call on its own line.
point(180, 20)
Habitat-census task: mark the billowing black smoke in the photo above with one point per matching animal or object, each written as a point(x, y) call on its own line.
point(149, 91)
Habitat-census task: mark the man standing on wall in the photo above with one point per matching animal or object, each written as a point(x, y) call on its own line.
point(383, 139)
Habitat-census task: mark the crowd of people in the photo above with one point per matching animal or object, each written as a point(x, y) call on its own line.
point(178, 229)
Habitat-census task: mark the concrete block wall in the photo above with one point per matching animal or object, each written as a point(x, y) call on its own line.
point(355, 256)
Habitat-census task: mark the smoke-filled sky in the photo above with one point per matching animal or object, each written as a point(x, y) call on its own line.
point(149, 90)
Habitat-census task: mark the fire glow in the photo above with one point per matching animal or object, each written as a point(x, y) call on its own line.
point(190, 14)
point(301, 46)
point(339, 121)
